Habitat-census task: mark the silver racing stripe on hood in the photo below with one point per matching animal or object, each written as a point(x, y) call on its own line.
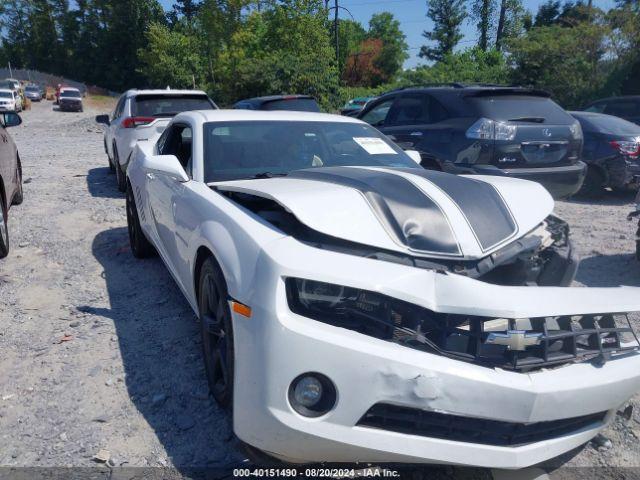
point(409, 214)
point(481, 204)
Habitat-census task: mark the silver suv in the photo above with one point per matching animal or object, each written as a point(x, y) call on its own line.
point(141, 114)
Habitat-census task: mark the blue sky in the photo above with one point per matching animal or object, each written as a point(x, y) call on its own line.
point(413, 21)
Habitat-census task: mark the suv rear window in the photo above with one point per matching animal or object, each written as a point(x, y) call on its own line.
point(169, 105)
point(293, 104)
point(520, 107)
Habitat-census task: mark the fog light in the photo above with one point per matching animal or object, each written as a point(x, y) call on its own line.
point(312, 394)
point(308, 391)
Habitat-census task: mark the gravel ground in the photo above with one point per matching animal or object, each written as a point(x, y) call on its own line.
point(99, 351)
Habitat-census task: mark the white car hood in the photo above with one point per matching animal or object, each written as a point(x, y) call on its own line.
point(414, 211)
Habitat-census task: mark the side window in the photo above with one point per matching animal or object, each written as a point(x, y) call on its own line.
point(178, 142)
point(378, 114)
point(417, 110)
point(162, 141)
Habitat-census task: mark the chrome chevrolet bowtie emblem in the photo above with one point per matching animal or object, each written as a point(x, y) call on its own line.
point(514, 339)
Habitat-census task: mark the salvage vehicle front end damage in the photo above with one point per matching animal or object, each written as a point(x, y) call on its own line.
point(408, 356)
point(380, 312)
point(494, 376)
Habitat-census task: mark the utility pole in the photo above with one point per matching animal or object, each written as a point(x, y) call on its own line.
point(11, 73)
point(335, 31)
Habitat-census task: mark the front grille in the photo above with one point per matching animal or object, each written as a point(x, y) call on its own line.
point(525, 344)
point(423, 423)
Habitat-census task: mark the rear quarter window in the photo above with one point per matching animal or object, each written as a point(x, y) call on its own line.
point(511, 107)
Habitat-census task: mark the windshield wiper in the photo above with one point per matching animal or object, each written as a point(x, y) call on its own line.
point(268, 175)
point(528, 119)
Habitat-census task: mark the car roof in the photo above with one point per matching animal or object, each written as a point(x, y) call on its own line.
point(69, 88)
point(229, 115)
point(470, 89)
point(274, 98)
point(6, 90)
point(169, 91)
point(620, 97)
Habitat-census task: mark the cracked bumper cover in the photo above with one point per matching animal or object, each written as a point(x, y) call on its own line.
point(276, 345)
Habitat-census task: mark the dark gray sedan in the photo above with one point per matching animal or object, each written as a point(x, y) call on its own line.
point(611, 152)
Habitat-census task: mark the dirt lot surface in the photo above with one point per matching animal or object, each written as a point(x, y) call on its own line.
point(99, 351)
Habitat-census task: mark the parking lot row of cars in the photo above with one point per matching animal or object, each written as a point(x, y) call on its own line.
point(357, 300)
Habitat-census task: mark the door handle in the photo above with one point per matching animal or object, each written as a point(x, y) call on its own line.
point(416, 134)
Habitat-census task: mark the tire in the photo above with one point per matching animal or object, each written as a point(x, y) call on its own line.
point(140, 246)
point(112, 169)
point(4, 230)
point(120, 177)
point(18, 198)
point(593, 184)
point(217, 332)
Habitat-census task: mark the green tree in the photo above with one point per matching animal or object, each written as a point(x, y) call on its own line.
point(473, 65)
point(512, 21)
point(385, 27)
point(565, 61)
point(483, 12)
point(171, 58)
point(447, 17)
point(351, 34)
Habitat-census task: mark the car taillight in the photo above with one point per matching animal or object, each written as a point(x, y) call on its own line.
point(485, 129)
point(576, 131)
point(626, 147)
point(133, 122)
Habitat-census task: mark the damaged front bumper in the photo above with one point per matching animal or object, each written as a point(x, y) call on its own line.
point(400, 404)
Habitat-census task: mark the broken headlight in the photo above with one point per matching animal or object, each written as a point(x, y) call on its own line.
point(363, 311)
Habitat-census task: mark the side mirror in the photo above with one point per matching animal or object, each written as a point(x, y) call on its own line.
point(11, 119)
point(414, 155)
point(103, 119)
point(168, 165)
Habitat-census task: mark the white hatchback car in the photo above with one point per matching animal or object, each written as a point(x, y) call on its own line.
point(356, 307)
point(141, 115)
point(10, 101)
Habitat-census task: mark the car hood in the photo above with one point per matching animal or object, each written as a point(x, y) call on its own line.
point(414, 211)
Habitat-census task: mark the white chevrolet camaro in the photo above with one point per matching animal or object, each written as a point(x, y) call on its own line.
point(356, 307)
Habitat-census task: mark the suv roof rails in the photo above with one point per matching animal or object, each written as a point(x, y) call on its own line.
point(457, 85)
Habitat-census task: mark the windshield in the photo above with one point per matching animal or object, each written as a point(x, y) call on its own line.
point(169, 105)
point(70, 93)
point(6, 95)
point(32, 89)
point(241, 150)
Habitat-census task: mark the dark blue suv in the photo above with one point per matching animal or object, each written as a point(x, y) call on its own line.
point(486, 130)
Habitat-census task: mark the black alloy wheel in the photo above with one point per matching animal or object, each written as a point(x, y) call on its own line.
point(141, 247)
point(217, 333)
